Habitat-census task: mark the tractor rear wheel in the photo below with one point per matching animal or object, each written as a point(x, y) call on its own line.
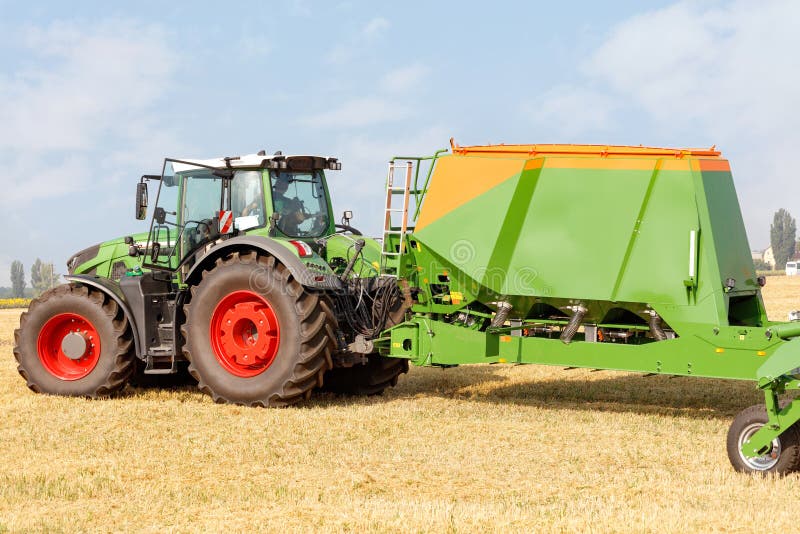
point(254, 335)
point(76, 341)
point(783, 456)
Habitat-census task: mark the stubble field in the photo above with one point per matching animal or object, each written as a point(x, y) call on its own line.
point(484, 448)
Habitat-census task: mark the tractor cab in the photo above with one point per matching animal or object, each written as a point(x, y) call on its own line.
point(201, 202)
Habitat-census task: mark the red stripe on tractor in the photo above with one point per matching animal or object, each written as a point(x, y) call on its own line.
point(225, 221)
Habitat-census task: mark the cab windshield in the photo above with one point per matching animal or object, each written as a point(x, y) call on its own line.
point(299, 200)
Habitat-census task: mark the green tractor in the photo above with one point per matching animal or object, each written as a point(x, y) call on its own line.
point(244, 280)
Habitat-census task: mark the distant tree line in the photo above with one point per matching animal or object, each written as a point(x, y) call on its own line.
point(43, 277)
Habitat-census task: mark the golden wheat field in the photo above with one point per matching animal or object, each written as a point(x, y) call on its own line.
point(484, 448)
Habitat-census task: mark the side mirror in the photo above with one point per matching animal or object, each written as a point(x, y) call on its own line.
point(141, 201)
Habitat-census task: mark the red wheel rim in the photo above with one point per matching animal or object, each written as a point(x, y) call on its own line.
point(50, 346)
point(244, 334)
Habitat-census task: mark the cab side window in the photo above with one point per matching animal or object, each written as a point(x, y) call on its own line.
point(247, 199)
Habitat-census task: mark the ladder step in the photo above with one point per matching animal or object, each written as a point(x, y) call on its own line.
point(160, 371)
point(400, 210)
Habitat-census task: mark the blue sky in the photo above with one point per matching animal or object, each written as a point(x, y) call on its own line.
point(94, 94)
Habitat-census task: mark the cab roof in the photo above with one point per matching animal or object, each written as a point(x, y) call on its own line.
point(296, 162)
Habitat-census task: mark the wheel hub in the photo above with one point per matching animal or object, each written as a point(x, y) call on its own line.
point(74, 345)
point(759, 463)
point(69, 346)
point(244, 333)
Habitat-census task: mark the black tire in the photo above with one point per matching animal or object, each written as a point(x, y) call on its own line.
point(304, 348)
point(371, 378)
point(115, 362)
point(784, 457)
point(377, 374)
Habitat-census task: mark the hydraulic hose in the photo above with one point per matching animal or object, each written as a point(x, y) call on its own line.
point(503, 309)
point(655, 326)
point(574, 323)
point(359, 244)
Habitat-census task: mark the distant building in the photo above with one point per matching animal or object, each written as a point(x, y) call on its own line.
point(765, 256)
point(769, 257)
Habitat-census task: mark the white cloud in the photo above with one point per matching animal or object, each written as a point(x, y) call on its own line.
point(390, 107)
point(355, 44)
point(568, 111)
point(403, 79)
point(703, 74)
point(79, 115)
point(85, 86)
point(358, 113)
point(735, 66)
point(375, 26)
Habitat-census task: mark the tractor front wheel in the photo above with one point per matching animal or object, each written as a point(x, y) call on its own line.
point(254, 335)
point(74, 341)
point(783, 456)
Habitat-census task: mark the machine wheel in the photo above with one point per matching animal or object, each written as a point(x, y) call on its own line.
point(784, 456)
point(254, 335)
point(376, 375)
point(74, 341)
point(372, 378)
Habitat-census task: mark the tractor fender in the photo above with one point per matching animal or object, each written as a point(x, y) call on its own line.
point(113, 291)
point(299, 271)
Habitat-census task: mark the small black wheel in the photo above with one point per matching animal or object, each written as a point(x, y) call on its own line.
point(783, 456)
point(254, 335)
point(76, 341)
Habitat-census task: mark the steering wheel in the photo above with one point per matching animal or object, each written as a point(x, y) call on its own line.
point(199, 233)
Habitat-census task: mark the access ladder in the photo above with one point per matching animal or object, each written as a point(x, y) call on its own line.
point(405, 170)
